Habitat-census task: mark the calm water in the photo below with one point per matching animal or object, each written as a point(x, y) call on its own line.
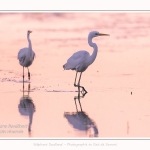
point(118, 100)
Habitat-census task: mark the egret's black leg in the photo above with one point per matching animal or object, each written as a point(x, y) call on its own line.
point(79, 79)
point(23, 74)
point(75, 79)
point(83, 89)
point(28, 74)
point(23, 78)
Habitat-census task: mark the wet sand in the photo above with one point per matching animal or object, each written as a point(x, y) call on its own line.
point(118, 100)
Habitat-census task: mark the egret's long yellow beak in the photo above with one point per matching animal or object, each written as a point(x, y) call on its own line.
point(101, 34)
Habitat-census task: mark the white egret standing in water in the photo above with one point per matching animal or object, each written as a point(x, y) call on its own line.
point(26, 55)
point(80, 60)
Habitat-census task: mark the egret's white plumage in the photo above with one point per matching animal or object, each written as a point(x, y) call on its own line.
point(81, 60)
point(26, 55)
point(78, 61)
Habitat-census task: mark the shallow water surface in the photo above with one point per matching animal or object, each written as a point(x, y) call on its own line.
point(118, 100)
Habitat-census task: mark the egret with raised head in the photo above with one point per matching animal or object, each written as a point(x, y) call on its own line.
point(81, 60)
point(26, 55)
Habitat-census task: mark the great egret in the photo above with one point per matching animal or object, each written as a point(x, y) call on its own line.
point(26, 55)
point(80, 60)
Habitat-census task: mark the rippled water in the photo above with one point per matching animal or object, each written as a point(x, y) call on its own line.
point(118, 100)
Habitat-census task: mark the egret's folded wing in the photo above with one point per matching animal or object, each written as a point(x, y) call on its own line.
point(22, 53)
point(79, 54)
point(76, 59)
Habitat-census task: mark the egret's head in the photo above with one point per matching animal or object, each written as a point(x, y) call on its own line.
point(28, 32)
point(93, 34)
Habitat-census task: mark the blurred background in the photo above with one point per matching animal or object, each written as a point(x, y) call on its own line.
point(122, 67)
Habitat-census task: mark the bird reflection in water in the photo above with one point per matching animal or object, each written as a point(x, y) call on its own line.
point(80, 120)
point(27, 107)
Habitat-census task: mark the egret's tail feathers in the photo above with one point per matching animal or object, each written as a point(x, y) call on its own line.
point(66, 67)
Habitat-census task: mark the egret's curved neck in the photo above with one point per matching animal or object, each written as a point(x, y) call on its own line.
point(29, 41)
point(94, 54)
